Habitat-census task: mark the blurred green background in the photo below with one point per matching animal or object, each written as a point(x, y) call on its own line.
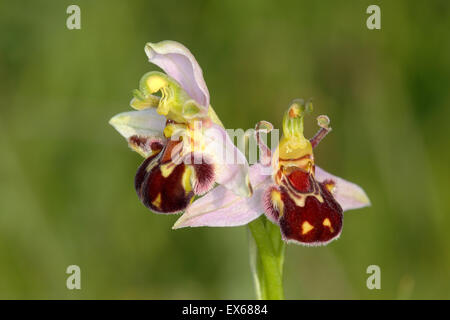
point(66, 177)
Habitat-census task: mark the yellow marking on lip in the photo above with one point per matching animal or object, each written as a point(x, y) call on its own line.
point(327, 223)
point(157, 201)
point(275, 197)
point(186, 180)
point(306, 227)
point(331, 186)
point(167, 169)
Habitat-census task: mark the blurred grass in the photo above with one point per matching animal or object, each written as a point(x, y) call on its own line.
point(66, 190)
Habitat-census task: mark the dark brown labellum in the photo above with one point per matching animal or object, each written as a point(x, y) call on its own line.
point(167, 186)
point(304, 209)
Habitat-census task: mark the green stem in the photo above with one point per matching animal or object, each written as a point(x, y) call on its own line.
point(279, 246)
point(266, 257)
point(256, 268)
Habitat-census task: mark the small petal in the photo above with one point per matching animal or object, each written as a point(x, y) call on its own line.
point(142, 129)
point(147, 123)
point(349, 195)
point(266, 153)
point(146, 146)
point(230, 164)
point(223, 208)
point(179, 63)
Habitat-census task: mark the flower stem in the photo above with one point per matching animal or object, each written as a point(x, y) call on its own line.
point(266, 259)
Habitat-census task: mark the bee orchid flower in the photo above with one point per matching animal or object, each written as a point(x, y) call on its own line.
point(306, 202)
point(185, 145)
